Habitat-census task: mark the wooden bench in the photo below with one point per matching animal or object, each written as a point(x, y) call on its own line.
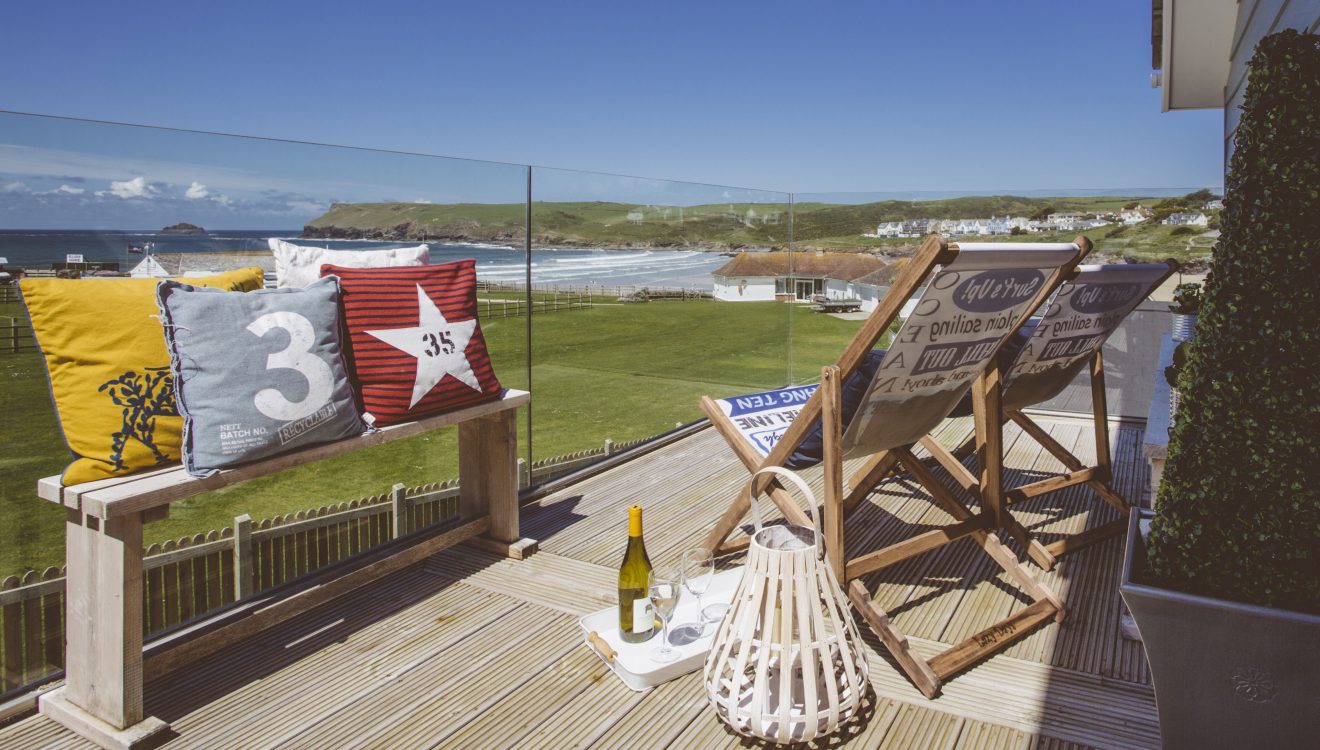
point(102, 694)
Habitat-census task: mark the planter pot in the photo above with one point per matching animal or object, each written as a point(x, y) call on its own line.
point(1226, 675)
point(1183, 326)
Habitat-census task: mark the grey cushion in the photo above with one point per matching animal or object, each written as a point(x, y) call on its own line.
point(256, 374)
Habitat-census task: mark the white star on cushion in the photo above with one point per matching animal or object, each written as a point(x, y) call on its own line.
point(439, 346)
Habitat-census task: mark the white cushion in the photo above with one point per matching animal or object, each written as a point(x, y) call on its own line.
point(297, 266)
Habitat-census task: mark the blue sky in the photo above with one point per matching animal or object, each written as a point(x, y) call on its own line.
point(878, 96)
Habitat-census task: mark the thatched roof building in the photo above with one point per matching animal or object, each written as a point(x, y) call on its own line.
point(841, 266)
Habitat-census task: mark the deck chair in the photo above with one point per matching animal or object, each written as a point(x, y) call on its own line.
point(1046, 355)
point(980, 295)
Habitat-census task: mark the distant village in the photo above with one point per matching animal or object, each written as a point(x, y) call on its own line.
point(1070, 221)
point(857, 281)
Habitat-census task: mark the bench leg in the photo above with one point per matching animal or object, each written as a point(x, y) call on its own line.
point(488, 481)
point(102, 694)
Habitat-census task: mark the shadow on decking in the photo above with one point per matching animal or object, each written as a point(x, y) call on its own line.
point(464, 649)
point(254, 659)
point(329, 626)
point(946, 571)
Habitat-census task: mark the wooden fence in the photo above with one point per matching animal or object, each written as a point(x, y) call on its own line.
point(187, 578)
point(16, 334)
point(192, 576)
point(549, 468)
point(508, 308)
point(596, 290)
point(16, 337)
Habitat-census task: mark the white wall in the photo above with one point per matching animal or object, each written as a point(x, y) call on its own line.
point(1256, 19)
point(869, 295)
point(148, 268)
point(753, 288)
point(836, 289)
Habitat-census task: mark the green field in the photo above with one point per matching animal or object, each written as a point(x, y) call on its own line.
point(815, 226)
point(612, 371)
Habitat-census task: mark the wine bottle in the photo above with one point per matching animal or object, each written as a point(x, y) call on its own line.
point(636, 621)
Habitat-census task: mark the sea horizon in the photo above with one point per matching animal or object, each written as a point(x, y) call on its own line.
point(40, 248)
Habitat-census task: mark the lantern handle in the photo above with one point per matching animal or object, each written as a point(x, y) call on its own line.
point(796, 481)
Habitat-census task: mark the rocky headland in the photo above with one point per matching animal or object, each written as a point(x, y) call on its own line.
point(183, 227)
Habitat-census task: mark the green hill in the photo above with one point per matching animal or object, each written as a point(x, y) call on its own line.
point(722, 226)
point(569, 223)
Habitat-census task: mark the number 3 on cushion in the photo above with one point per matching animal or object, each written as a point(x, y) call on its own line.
point(295, 356)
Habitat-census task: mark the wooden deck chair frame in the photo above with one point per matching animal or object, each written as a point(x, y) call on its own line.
point(1099, 477)
point(825, 403)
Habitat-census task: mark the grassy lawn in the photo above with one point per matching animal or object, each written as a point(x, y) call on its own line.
point(620, 372)
point(1154, 243)
point(31, 530)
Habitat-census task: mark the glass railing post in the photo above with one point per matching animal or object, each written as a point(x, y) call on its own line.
point(527, 297)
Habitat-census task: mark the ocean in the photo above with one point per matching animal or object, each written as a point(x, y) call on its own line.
point(563, 266)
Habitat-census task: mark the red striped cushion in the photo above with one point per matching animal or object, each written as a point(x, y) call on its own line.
point(416, 345)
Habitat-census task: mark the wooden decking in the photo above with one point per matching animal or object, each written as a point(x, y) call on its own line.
point(469, 650)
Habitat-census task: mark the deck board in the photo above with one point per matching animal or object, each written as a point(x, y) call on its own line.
point(466, 649)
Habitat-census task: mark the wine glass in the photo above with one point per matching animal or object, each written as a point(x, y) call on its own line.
point(698, 569)
point(663, 588)
point(712, 612)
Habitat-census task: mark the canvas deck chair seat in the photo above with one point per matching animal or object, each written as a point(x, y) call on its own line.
point(1042, 360)
point(980, 295)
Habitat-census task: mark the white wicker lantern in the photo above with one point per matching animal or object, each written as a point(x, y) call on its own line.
point(787, 663)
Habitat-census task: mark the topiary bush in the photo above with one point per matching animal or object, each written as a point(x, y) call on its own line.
point(1186, 298)
point(1238, 512)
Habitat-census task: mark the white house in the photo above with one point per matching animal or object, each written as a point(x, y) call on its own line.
point(917, 227)
point(1064, 220)
point(889, 229)
point(150, 268)
point(793, 277)
point(193, 265)
point(963, 227)
point(907, 228)
point(1187, 219)
point(871, 288)
point(1134, 215)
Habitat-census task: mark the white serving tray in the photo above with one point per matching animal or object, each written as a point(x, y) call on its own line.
point(632, 662)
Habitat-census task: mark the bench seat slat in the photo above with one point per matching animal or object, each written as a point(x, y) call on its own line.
point(121, 496)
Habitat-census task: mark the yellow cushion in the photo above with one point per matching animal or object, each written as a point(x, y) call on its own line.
point(109, 369)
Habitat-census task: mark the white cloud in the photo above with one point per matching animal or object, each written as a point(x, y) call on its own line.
point(19, 160)
point(196, 191)
point(14, 187)
point(244, 176)
point(68, 190)
point(134, 188)
point(423, 201)
point(306, 207)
